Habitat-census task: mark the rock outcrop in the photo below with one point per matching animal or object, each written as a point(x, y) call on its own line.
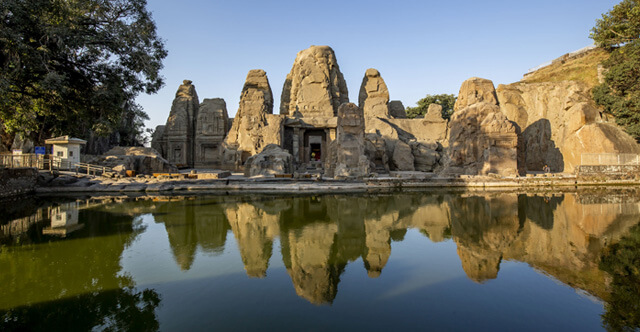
point(374, 95)
point(271, 160)
point(347, 153)
point(315, 86)
point(559, 123)
point(254, 126)
point(481, 139)
point(138, 159)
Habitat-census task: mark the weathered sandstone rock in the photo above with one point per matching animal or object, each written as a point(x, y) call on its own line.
point(347, 151)
point(211, 129)
point(397, 110)
point(374, 95)
point(426, 155)
point(434, 113)
point(475, 90)
point(375, 148)
point(315, 86)
point(559, 122)
point(272, 160)
point(254, 126)
point(138, 159)
point(157, 140)
point(481, 139)
point(403, 157)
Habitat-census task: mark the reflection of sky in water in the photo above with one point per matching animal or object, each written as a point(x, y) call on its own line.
point(146, 260)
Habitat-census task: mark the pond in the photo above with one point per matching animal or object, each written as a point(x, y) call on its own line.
point(412, 261)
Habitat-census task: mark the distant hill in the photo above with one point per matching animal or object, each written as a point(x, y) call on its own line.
point(577, 66)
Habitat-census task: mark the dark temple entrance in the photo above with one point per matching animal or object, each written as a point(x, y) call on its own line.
point(314, 146)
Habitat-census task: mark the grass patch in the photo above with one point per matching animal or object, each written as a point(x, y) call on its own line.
point(583, 68)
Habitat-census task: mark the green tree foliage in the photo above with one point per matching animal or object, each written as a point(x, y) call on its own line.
point(622, 261)
point(619, 30)
point(74, 66)
point(619, 26)
point(446, 101)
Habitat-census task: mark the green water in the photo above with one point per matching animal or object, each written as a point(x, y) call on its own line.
point(411, 261)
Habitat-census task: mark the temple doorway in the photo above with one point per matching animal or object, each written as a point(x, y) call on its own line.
point(314, 146)
point(316, 152)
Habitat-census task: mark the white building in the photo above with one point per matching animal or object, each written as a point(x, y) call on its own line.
point(66, 149)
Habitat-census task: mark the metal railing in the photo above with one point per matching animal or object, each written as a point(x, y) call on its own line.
point(606, 159)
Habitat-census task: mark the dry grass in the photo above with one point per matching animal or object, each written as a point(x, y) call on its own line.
point(583, 68)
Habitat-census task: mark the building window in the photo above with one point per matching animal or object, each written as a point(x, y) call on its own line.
point(60, 154)
point(70, 153)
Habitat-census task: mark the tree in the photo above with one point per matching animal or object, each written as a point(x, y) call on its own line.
point(446, 101)
point(74, 66)
point(619, 31)
point(619, 26)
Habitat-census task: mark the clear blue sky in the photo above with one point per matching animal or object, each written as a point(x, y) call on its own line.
point(419, 47)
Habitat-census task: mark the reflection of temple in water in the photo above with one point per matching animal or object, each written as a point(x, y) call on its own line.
point(562, 235)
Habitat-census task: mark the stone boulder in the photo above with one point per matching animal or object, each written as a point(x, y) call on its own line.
point(254, 126)
point(402, 158)
point(397, 110)
point(426, 155)
point(139, 159)
point(434, 113)
point(315, 86)
point(271, 160)
point(375, 148)
point(374, 95)
point(481, 139)
point(559, 122)
point(347, 157)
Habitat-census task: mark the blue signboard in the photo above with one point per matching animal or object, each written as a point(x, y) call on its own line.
point(40, 150)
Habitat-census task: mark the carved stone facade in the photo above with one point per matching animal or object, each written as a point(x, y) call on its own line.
point(194, 132)
point(520, 127)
